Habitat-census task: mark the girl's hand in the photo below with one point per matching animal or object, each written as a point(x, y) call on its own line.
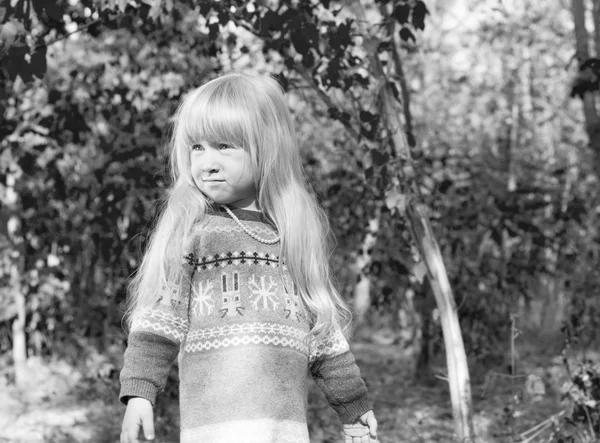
point(138, 415)
point(363, 431)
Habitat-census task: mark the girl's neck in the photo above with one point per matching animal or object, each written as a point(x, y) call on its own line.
point(249, 206)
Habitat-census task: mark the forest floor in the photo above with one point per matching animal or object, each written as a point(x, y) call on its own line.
point(64, 403)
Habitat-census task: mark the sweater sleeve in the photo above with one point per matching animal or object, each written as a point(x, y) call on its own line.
point(334, 370)
point(155, 338)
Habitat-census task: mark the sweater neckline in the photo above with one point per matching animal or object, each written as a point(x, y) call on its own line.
point(242, 214)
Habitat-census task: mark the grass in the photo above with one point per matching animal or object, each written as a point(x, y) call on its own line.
point(65, 404)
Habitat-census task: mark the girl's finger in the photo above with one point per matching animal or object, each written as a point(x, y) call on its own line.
point(372, 423)
point(148, 425)
point(132, 434)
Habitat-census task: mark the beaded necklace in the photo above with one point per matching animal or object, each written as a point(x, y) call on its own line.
point(248, 231)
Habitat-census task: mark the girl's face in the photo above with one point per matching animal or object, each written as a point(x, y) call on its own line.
point(223, 173)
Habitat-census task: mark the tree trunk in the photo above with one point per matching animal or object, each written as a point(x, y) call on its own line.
point(19, 348)
point(456, 358)
point(513, 145)
point(458, 371)
point(14, 256)
point(362, 290)
point(592, 120)
point(425, 302)
point(596, 16)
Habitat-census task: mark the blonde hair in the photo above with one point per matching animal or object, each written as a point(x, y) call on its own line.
point(248, 111)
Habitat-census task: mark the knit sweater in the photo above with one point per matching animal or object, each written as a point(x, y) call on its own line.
point(238, 325)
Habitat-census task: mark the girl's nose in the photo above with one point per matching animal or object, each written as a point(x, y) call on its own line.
point(209, 163)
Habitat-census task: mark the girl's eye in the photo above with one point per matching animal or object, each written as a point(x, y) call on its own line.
point(224, 146)
point(197, 147)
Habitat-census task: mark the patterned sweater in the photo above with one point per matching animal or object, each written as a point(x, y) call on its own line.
point(238, 325)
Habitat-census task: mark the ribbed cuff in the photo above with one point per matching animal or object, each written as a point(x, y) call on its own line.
point(350, 413)
point(137, 388)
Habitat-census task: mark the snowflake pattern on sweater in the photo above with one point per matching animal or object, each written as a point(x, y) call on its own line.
point(239, 326)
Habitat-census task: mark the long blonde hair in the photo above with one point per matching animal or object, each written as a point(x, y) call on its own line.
point(249, 111)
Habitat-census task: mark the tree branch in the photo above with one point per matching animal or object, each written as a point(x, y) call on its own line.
point(596, 15)
point(302, 71)
point(399, 143)
point(408, 121)
point(64, 37)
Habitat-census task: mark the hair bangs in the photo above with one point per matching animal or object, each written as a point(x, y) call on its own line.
point(215, 119)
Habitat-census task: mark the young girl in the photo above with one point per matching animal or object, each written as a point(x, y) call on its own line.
point(236, 282)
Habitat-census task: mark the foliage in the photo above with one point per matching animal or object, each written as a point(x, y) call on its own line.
point(581, 422)
point(588, 78)
point(512, 195)
point(89, 143)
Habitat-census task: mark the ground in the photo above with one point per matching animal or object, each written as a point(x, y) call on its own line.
point(64, 403)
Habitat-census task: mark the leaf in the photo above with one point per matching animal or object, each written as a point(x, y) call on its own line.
point(345, 117)
point(54, 10)
point(363, 81)
point(112, 20)
point(305, 37)
point(395, 200)
point(125, 21)
point(366, 116)
point(379, 158)
point(155, 9)
point(444, 186)
point(333, 113)
point(270, 22)
point(580, 87)
point(213, 31)
point(17, 64)
point(401, 13)
point(283, 81)
point(121, 4)
point(419, 270)
point(299, 41)
point(419, 13)
point(334, 69)
point(205, 8)
point(384, 45)
point(308, 60)
point(341, 38)
point(38, 62)
point(406, 35)
point(395, 91)
point(592, 63)
point(223, 16)
point(312, 34)
point(290, 19)
point(9, 31)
